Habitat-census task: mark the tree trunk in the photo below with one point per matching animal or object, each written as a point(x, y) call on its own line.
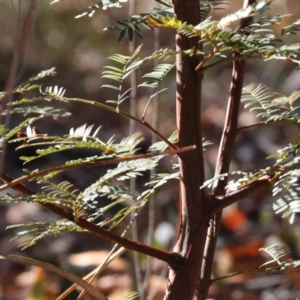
point(199, 228)
point(194, 202)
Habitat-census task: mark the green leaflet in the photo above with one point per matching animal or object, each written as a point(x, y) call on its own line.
point(271, 106)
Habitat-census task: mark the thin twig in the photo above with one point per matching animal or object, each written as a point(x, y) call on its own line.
point(36, 174)
point(251, 272)
point(85, 285)
point(244, 128)
point(132, 130)
point(126, 115)
point(104, 264)
point(151, 206)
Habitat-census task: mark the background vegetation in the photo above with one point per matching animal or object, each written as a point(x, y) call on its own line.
point(78, 48)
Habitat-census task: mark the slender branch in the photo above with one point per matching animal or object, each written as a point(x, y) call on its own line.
point(126, 115)
point(240, 57)
point(222, 167)
point(251, 272)
point(128, 244)
point(219, 203)
point(49, 267)
point(228, 59)
point(99, 269)
point(224, 158)
point(230, 126)
point(35, 174)
point(106, 262)
point(206, 59)
point(244, 128)
point(170, 258)
point(132, 130)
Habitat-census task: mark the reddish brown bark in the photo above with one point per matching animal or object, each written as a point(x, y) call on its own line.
point(199, 227)
point(194, 202)
point(226, 148)
point(191, 262)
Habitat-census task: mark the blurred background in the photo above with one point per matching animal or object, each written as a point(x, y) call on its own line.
point(78, 48)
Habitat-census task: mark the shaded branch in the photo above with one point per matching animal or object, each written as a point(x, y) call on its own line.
point(257, 271)
point(89, 288)
point(244, 128)
point(170, 258)
point(219, 203)
point(226, 148)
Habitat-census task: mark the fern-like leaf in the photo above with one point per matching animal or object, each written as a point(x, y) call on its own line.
point(131, 26)
point(272, 107)
point(258, 97)
point(39, 230)
point(83, 132)
point(131, 296)
point(157, 75)
point(10, 133)
point(287, 192)
point(280, 256)
point(104, 4)
point(119, 74)
point(28, 84)
point(106, 185)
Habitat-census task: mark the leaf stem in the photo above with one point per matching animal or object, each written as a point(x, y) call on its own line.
point(219, 203)
point(257, 271)
point(126, 115)
point(244, 128)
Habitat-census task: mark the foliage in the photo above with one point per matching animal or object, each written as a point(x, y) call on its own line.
point(279, 253)
point(110, 192)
